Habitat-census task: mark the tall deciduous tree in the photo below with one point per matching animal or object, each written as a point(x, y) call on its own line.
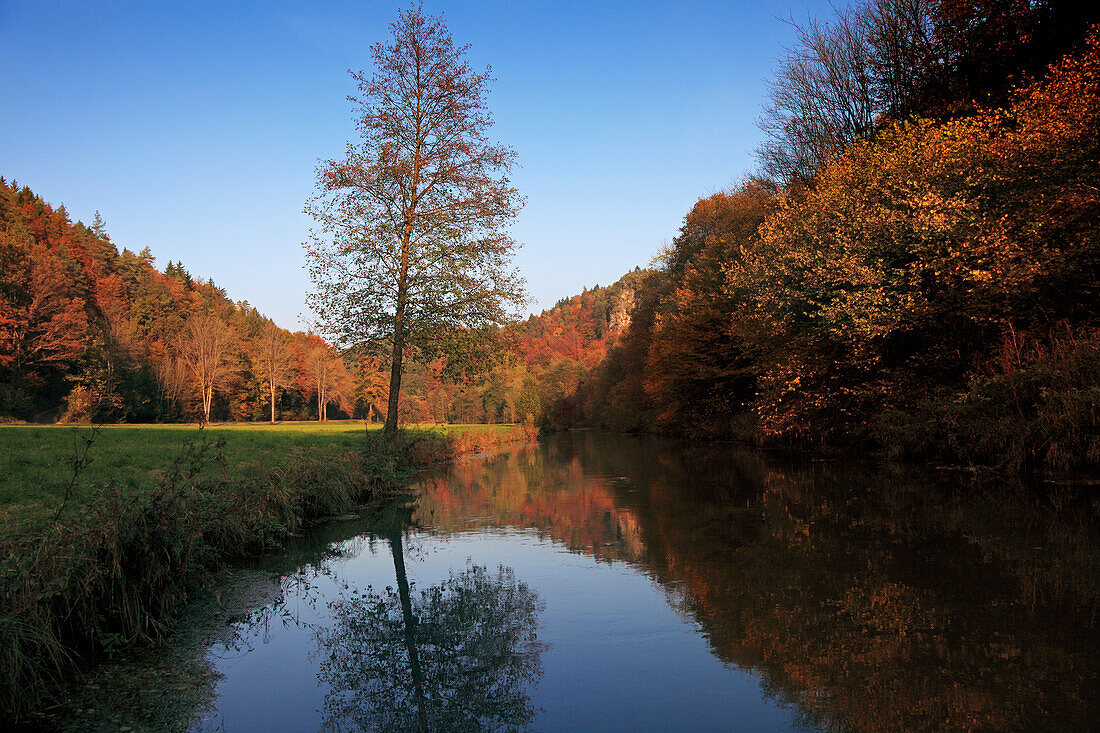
point(206, 350)
point(369, 385)
point(331, 381)
point(821, 100)
point(410, 247)
point(698, 370)
point(902, 58)
point(273, 360)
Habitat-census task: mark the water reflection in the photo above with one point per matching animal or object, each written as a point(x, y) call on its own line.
point(856, 597)
point(874, 599)
point(458, 655)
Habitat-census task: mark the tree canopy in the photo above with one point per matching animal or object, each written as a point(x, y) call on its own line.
point(410, 248)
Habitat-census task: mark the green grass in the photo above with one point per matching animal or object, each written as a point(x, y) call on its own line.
point(35, 460)
point(34, 464)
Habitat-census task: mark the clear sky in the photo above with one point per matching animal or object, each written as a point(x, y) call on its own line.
point(196, 130)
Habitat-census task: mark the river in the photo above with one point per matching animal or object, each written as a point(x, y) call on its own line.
point(607, 583)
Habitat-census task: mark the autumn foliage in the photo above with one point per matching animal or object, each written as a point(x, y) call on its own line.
point(918, 252)
point(927, 287)
point(89, 333)
point(932, 291)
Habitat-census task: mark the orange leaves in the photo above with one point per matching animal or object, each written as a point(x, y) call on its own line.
point(42, 325)
point(922, 241)
point(696, 370)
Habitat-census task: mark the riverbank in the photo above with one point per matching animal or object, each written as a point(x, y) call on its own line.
point(100, 549)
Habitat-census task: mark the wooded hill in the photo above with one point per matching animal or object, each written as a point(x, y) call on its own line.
point(928, 288)
point(915, 269)
point(536, 370)
point(91, 334)
point(88, 333)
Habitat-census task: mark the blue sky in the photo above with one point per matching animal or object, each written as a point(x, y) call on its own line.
point(195, 130)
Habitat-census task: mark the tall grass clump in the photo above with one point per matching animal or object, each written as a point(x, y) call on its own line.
point(88, 581)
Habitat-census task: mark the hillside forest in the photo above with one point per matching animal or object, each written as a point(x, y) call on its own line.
point(914, 268)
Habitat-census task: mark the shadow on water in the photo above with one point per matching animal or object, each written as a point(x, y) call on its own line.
point(868, 597)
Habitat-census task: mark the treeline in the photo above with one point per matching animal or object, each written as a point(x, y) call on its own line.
point(538, 361)
point(88, 333)
point(918, 268)
point(91, 334)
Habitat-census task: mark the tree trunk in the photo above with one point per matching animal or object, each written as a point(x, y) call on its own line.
point(395, 364)
point(395, 384)
point(272, 400)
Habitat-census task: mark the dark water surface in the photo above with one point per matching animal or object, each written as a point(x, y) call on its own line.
point(610, 583)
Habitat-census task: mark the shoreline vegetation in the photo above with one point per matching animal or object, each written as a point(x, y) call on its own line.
point(92, 564)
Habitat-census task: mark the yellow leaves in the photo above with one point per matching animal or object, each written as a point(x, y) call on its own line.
point(926, 223)
point(910, 244)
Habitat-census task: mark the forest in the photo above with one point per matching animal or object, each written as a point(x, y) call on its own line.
point(916, 271)
point(913, 269)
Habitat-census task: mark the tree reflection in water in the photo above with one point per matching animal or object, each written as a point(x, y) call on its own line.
point(873, 596)
point(459, 655)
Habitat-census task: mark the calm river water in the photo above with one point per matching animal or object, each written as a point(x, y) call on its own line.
point(609, 583)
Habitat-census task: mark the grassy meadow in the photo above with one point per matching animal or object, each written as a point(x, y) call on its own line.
point(36, 460)
point(34, 465)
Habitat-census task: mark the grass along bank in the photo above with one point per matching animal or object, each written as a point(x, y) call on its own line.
point(35, 460)
point(100, 549)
